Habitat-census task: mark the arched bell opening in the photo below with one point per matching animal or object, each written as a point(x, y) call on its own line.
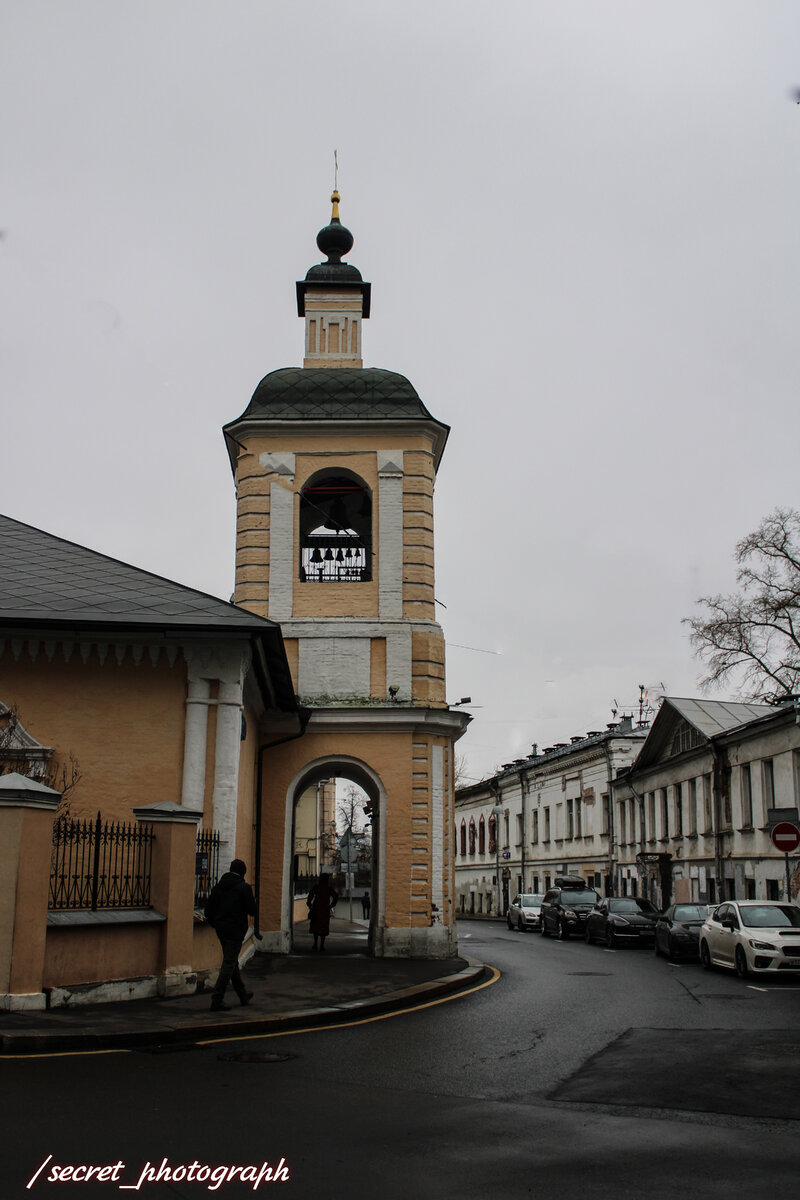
point(335, 529)
point(335, 817)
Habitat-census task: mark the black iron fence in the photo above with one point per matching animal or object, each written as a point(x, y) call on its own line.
point(100, 864)
point(206, 865)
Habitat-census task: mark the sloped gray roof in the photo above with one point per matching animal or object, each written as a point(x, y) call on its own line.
point(335, 393)
point(47, 580)
point(717, 716)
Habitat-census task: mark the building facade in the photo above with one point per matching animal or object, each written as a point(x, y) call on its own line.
point(554, 817)
point(693, 813)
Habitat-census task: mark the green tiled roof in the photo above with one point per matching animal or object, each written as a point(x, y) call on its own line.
point(334, 393)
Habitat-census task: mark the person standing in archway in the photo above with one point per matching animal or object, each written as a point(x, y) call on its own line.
point(321, 899)
point(365, 905)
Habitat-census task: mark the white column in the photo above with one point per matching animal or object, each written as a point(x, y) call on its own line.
point(281, 552)
point(226, 767)
point(194, 744)
point(390, 532)
point(437, 828)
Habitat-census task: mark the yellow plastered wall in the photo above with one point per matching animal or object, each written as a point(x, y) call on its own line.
point(356, 452)
point(402, 762)
point(122, 723)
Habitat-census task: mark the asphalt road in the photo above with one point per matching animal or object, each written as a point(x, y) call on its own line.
point(581, 1071)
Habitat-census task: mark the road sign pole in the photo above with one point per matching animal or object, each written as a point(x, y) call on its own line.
point(788, 881)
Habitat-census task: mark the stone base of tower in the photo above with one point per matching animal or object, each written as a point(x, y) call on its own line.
point(437, 941)
point(402, 757)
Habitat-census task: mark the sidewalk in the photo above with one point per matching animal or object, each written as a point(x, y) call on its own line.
point(291, 992)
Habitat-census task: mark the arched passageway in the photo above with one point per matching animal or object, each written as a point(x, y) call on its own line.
point(335, 807)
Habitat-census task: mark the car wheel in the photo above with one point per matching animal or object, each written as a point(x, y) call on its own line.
point(742, 969)
point(587, 936)
point(521, 925)
point(563, 932)
point(705, 956)
point(611, 937)
point(670, 950)
point(508, 922)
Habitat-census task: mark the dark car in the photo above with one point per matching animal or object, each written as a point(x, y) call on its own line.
point(565, 908)
point(620, 919)
point(678, 931)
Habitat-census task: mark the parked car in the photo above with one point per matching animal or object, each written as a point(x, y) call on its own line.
point(523, 912)
point(619, 919)
point(757, 936)
point(565, 907)
point(678, 930)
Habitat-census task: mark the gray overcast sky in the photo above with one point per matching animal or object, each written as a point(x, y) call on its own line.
point(580, 223)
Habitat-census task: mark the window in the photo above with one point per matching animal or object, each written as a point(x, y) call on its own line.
point(606, 814)
point(708, 822)
point(578, 819)
point(463, 836)
point(492, 834)
point(664, 813)
point(632, 819)
point(746, 792)
point(335, 529)
point(505, 827)
point(570, 822)
point(519, 835)
point(547, 827)
point(622, 835)
point(768, 785)
point(651, 817)
point(678, 810)
point(535, 833)
point(472, 835)
point(482, 836)
point(727, 809)
point(692, 808)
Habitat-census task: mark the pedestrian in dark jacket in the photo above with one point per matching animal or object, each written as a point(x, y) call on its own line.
point(365, 905)
point(227, 909)
point(321, 899)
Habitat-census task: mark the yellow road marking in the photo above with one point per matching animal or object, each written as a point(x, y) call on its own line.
point(251, 1037)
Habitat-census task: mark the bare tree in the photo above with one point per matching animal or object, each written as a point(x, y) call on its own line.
point(753, 635)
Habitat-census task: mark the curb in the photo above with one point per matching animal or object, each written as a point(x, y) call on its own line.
point(32, 1042)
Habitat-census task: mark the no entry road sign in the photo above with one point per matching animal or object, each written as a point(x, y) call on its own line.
point(786, 837)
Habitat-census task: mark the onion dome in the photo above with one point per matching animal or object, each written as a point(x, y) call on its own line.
point(335, 239)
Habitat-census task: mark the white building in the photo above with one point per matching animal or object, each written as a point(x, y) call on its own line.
point(692, 816)
point(555, 817)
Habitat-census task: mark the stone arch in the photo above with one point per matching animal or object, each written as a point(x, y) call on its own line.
point(348, 767)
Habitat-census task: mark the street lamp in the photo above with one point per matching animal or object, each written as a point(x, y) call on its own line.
point(497, 811)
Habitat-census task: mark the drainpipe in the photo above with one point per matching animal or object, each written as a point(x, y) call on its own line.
point(523, 791)
point(607, 753)
point(643, 841)
point(716, 802)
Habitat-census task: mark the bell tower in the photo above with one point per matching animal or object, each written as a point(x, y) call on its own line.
point(334, 465)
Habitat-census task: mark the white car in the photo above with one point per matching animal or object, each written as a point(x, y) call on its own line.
point(524, 912)
point(752, 936)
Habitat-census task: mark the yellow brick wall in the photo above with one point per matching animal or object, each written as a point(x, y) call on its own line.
point(124, 724)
